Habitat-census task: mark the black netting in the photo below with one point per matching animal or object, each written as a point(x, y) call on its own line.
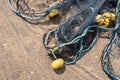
point(81, 18)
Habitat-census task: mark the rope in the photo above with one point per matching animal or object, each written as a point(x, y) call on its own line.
point(108, 46)
point(78, 38)
point(41, 14)
point(70, 36)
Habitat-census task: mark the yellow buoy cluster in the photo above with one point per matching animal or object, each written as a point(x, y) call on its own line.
point(53, 13)
point(110, 16)
point(58, 63)
point(105, 18)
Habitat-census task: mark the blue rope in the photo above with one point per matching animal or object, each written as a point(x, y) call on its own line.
point(81, 51)
point(107, 48)
point(60, 6)
point(82, 32)
point(105, 53)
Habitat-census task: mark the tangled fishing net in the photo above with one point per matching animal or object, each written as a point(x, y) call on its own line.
point(37, 9)
point(77, 33)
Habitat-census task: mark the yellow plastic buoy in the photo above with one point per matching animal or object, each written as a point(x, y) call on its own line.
point(58, 63)
point(50, 50)
point(53, 13)
point(109, 15)
point(76, 28)
point(52, 46)
point(106, 22)
point(101, 20)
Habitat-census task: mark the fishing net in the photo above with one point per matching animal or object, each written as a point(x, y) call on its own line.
point(37, 9)
point(72, 49)
point(80, 19)
point(111, 53)
point(77, 34)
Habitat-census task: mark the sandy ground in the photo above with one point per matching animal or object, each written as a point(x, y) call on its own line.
point(23, 57)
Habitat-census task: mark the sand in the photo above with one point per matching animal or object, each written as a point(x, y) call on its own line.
point(23, 56)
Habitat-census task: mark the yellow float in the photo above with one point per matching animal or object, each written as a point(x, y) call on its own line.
point(58, 63)
point(52, 46)
point(76, 28)
point(109, 15)
point(53, 13)
point(101, 20)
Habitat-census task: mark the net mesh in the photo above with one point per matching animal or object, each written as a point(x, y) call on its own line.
point(73, 37)
point(37, 9)
point(80, 19)
point(69, 52)
point(76, 34)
